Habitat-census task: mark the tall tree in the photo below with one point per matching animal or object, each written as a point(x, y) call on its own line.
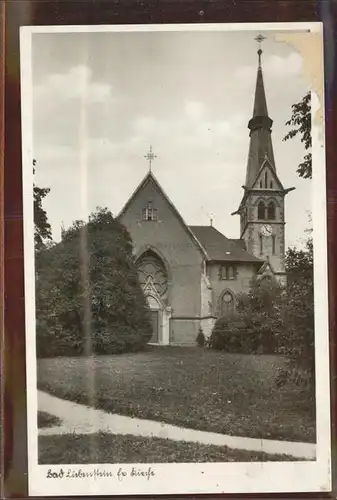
point(300, 303)
point(42, 228)
point(300, 123)
point(279, 319)
point(89, 299)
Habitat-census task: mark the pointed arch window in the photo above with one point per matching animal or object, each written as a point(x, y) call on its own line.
point(266, 179)
point(261, 210)
point(271, 210)
point(227, 304)
point(149, 213)
point(152, 273)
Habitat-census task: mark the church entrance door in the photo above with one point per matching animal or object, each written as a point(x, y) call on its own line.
point(155, 316)
point(153, 277)
point(155, 327)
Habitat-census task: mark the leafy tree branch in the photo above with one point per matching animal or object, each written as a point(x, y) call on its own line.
point(42, 228)
point(300, 123)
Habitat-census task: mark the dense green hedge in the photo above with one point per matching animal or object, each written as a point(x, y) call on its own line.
point(88, 297)
point(236, 335)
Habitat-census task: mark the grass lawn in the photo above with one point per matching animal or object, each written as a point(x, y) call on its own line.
point(191, 387)
point(46, 420)
point(107, 448)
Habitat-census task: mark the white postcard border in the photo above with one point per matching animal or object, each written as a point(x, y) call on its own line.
point(179, 478)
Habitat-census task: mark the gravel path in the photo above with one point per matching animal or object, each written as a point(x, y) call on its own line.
point(80, 419)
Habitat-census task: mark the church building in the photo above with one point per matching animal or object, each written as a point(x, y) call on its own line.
point(191, 275)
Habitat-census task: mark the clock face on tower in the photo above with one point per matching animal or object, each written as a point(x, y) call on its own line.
point(266, 230)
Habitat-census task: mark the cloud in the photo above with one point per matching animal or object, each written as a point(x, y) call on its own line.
point(177, 140)
point(191, 125)
point(69, 106)
point(76, 83)
point(274, 66)
point(194, 110)
point(146, 125)
point(53, 153)
point(223, 128)
point(246, 73)
point(284, 66)
point(102, 149)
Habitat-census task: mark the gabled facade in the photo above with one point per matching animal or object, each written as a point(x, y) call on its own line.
point(170, 260)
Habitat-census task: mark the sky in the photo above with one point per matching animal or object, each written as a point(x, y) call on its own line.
point(101, 99)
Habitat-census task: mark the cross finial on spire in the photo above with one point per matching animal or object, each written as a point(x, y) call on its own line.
point(260, 39)
point(150, 157)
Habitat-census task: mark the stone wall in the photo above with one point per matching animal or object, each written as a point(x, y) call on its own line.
point(241, 283)
point(184, 331)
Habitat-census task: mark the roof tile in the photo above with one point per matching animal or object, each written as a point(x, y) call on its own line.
point(220, 248)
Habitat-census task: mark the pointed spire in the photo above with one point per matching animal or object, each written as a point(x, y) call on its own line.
point(261, 147)
point(260, 103)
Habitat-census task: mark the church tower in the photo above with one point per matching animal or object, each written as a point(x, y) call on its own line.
point(262, 223)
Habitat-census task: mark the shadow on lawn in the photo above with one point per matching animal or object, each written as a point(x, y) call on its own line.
point(106, 448)
point(191, 387)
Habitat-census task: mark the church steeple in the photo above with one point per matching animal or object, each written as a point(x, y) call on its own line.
point(262, 221)
point(260, 124)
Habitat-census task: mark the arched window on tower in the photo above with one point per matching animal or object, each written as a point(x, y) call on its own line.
point(271, 210)
point(227, 304)
point(274, 244)
point(261, 210)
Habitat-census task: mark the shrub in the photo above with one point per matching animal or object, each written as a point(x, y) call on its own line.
point(297, 342)
point(88, 297)
point(228, 334)
point(279, 320)
point(257, 326)
point(243, 334)
point(201, 338)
